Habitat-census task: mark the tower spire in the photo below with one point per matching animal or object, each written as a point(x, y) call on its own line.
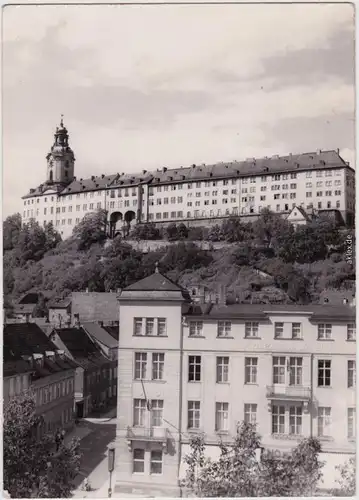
point(62, 121)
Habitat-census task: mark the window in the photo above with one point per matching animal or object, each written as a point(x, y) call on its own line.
point(279, 370)
point(295, 420)
point(278, 330)
point(250, 413)
point(138, 460)
point(351, 331)
point(278, 419)
point(351, 423)
point(137, 326)
point(351, 373)
point(150, 323)
point(194, 415)
point(156, 412)
point(140, 365)
point(251, 329)
point(222, 423)
point(194, 368)
point(222, 369)
point(295, 371)
point(324, 421)
point(195, 328)
point(324, 331)
point(158, 361)
point(324, 372)
point(139, 412)
point(161, 327)
point(224, 328)
point(251, 365)
point(296, 331)
point(156, 462)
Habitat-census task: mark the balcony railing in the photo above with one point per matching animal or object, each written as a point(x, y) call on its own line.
point(294, 392)
point(155, 434)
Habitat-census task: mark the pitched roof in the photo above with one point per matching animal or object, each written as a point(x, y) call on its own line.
point(249, 167)
point(301, 211)
point(92, 184)
point(263, 311)
point(59, 304)
point(81, 346)
point(113, 331)
point(26, 339)
point(30, 298)
point(100, 334)
point(156, 282)
point(95, 306)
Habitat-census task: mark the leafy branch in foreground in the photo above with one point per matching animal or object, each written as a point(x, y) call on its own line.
point(238, 473)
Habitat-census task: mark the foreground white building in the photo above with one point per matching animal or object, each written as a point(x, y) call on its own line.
point(320, 180)
point(187, 368)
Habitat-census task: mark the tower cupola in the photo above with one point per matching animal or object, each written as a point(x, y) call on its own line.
point(61, 159)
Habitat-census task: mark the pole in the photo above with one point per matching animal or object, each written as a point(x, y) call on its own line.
point(110, 486)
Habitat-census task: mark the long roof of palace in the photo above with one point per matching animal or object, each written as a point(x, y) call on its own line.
point(249, 167)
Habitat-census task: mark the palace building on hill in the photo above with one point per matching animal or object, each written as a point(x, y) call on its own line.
point(320, 181)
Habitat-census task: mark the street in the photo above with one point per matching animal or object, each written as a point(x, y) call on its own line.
point(94, 466)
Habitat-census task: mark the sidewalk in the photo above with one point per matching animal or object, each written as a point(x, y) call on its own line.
point(106, 417)
point(98, 480)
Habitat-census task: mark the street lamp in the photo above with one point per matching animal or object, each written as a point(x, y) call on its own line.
point(111, 466)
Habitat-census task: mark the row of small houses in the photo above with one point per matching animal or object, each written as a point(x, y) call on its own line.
point(72, 371)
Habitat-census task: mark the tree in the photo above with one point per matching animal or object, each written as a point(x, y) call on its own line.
point(11, 230)
point(268, 227)
point(304, 245)
point(53, 238)
point(182, 231)
point(171, 232)
point(182, 256)
point(31, 466)
point(31, 243)
point(92, 229)
point(234, 230)
point(148, 231)
point(238, 473)
point(347, 481)
point(40, 310)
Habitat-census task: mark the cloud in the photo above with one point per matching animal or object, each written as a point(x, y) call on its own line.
point(143, 87)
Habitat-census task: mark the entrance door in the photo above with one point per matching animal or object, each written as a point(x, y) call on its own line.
point(80, 409)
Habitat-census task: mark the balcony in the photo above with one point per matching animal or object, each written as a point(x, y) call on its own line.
point(148, 434)
point(289, 392)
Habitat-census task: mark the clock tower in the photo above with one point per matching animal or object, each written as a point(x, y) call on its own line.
point(61, 158)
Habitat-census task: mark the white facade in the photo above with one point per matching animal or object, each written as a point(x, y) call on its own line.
point(319, 181)
point(289, 369)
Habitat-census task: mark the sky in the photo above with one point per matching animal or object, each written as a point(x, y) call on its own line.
point(143, 87)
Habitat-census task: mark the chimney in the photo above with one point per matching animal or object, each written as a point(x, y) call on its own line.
point(50, 354)
point(77, 320)
point(38, 358)
point(60, 353)
point(100, 323)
